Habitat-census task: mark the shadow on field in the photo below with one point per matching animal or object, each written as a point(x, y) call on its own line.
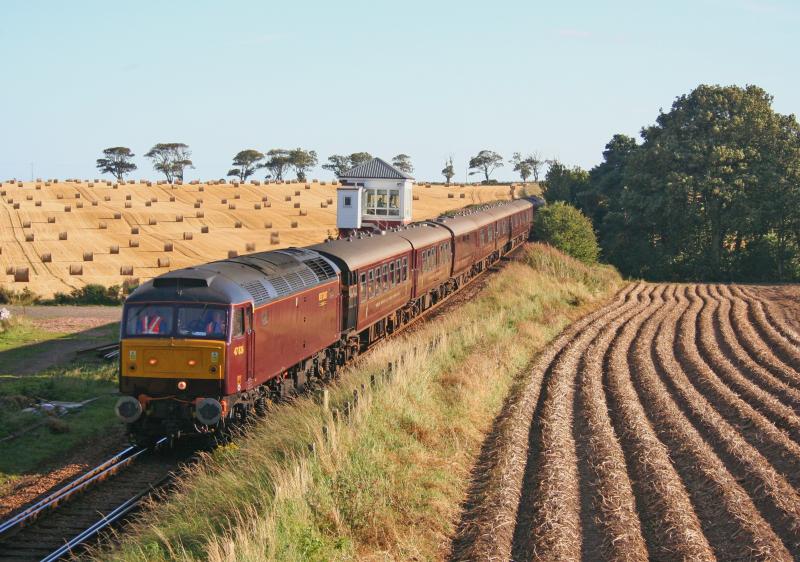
point(30, 358)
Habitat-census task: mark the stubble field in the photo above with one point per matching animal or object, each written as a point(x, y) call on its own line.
point(664, 426)
point(60, 235)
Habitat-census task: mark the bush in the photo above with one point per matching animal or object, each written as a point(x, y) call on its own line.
point(23, 297)
point(90, 294)
point(566, 228)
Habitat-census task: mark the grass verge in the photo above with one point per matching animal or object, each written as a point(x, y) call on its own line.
point(51, 436)
point(387, 483)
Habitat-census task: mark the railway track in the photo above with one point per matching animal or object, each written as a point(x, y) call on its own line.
point(65, 519)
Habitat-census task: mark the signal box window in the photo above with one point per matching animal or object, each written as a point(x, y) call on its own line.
point(238, 322)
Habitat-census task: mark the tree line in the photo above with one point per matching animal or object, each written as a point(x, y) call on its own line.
point(711, 192)
point(172, 159)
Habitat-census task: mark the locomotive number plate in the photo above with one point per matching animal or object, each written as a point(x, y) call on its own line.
point(238, 350)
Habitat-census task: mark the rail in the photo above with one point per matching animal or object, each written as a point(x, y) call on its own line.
point(52, 501)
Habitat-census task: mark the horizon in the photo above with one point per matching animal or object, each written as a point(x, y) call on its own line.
point(429, 81)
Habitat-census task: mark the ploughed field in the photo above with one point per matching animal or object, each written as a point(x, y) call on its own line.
point(59, 235)
point(664, 426)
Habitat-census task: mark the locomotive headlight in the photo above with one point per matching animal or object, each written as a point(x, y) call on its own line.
point(152, 361)
point(128, 409)
point(191, 362)
point(182, 385)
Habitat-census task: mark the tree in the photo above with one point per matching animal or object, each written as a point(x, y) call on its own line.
point(302, 161)
point(278, 160)
point(246, 162)
point(358, 158)
point(117, 162)
point(712, 193)
point(563, 183)
point(339, 164)
point(171, 159)
point(566, 228)
point(449, 170)
point(485, 162)
point(524, 166)
point(403, 163)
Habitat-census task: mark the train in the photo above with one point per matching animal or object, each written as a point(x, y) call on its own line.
point(204, 347)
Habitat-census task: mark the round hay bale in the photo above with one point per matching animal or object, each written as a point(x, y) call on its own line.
point(126, 270)
point(47, 258)
point(250, 247)
point(232, 206)
point(203, 229)
point(268, 225)
point(188, 235)
point(26, 224)
point(237, 224)
point(199, 214)
point(152, 221)
point(294, 224)
point(75, 269)
point(88, 256)
point(163, 262)
point(22, 275)
point(232, 254)
point(29, 237)
point(62, 235)
point(117, 216)
point(114, 249)
point(133, 243)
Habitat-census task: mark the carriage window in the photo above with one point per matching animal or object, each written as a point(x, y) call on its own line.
point(405, 269)
point(385, 277)
point(391, 274)
point(363, 285)
point(398, 271)
point(238, 322)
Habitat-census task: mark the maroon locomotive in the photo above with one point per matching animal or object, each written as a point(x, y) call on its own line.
point(203, 346)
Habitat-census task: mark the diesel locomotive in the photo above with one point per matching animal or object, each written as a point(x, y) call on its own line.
point(203, 347)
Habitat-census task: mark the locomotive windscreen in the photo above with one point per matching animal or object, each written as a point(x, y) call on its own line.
point(164, 320)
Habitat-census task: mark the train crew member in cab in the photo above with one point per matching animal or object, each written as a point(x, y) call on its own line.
point(215, 323)
point(151, 324)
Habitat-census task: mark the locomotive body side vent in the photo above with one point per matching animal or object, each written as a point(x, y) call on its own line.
point(308, 277)
point(280, 285)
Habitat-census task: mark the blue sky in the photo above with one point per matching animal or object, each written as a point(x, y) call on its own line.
point(428, 78)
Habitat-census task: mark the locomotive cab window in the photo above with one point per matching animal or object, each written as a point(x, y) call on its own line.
point(202, 322)
point(149, 320)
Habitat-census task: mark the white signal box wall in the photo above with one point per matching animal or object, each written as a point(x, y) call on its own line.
point(348, 207)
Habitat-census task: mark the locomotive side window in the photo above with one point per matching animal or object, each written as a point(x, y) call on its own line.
point(238, 322)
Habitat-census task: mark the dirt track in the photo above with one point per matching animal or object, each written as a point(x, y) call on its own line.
point(663, 426)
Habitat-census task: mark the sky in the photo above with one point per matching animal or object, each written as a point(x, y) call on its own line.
point(429, 78)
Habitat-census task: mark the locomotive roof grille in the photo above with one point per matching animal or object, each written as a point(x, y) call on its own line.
point(281, 286)
point(257, 289)
point(321, 268)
